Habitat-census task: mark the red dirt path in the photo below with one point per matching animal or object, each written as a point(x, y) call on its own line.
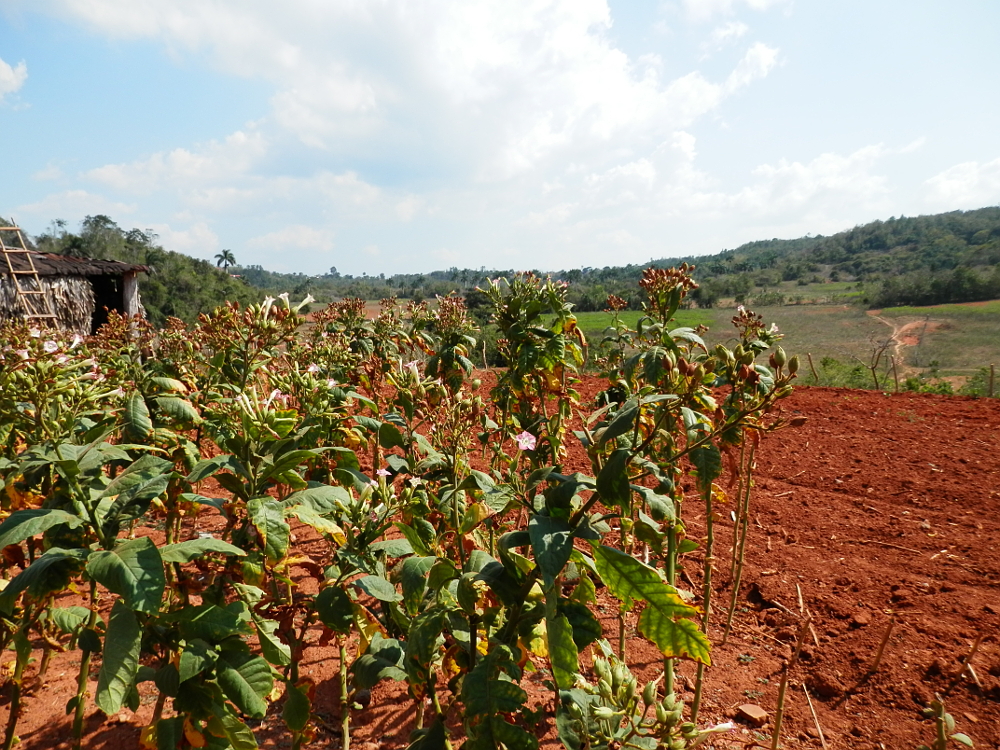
point(879, 506)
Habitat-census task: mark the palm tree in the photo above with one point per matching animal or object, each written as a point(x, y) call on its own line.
point(225, 259)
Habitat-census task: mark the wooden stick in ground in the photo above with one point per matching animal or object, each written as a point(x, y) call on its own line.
point(819, 729)
point(881, 647)
point(965, 664)
point(812, 367)
point(789, 666)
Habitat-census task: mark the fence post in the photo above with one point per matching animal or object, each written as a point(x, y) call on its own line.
point(992, 374)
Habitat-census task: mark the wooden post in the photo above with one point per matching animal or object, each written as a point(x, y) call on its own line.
point(992, 374)
point(130, 295)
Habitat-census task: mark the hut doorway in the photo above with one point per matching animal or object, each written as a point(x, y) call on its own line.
point(108, 295)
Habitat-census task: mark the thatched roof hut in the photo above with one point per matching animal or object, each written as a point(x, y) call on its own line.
point(82, 290)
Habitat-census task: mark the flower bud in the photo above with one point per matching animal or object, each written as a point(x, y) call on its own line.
point(661, 714)
point(779, 356)
point(793, 364)
point(603, 713)
point(649, 693)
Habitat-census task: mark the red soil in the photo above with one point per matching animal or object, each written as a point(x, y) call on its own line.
point(880, 507)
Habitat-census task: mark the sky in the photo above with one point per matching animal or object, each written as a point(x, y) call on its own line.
point(405, 136)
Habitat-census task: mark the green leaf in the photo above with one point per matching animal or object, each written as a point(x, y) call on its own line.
point(47, 573)
point(245, 679)
point(121, 658)
point(413, 537)
point(378, 588)
point(271, 646)
point(552, 542)
point(389, 436)
point(69, 619)
point(562, 651)
point(392, 547)
point(335, 609)
point(308, 515)
point(962, 739)
point(207, 467)
point(22, 524)
point(622, 422)
point(488, 693)
point(178, 408)
point(240, 736)
point(323, 498)
point(296, 709)
point(413, 578)
point(137, 421)
point(133, 570)
point(612, 481)
point(269, 520)
point(170, 733)
point(421, 649)
point(169, 384)
point(586, 627)
point(211, 623)
point(708, 461)
point(663, 620)
point(185, 552)
point(382, 661)
point(433, 738)
point(196, 657)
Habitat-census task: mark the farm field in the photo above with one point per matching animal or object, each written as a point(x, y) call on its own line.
point(253, 532)
point(878, 507)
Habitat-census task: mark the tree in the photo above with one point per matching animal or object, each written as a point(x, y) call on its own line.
point(225, 259)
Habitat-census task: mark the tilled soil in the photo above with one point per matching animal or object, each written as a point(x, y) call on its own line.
point(881, 509)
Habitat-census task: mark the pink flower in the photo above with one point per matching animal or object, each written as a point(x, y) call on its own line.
point(50, 346)
point(384, 472)
point(313, 368)
point(525, 441)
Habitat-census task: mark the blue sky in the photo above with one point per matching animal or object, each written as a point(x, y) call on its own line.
point(384, 136)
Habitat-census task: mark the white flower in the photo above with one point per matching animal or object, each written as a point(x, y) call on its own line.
point(413, 368)
point(77, 340)
point(309, 298)
point(331, 383)
point(206, 535)
point(415, 481)
point(35, 333)
point(50, 346)
point(740, 309)
point(313, 368)
point(773, 328)
point(384, 473)
point(274, 394)
point(525, 441)
point(284, 298)
point(22, 353)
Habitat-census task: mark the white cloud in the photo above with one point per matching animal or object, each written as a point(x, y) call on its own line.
point(297, 236)
point(12, 79)
point(756, 63)
point(75, 203)
point(705, 10)
point(966, 185)
point(724, 35)
point(197, 240)
point(183, 168)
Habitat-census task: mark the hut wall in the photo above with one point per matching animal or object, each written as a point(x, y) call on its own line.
point(72, 297)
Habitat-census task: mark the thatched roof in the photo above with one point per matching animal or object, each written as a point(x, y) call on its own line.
point(50, 264)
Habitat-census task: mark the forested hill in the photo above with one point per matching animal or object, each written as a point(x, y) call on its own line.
point(950, 257)
point(178, 285)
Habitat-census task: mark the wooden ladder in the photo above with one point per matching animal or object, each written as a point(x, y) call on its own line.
point(37, 302)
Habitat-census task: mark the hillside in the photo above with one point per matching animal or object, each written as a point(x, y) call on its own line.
point(923, 260)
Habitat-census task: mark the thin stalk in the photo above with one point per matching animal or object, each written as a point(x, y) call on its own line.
point(744, 531)
point(668, 664)
point(706, 596)
point(788, 667)
point(81, 682)
point(23, 657)
point(345, 706)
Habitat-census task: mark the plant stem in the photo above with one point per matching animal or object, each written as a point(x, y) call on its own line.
point(746, 482)
point(81, 683)
point(345, 706)
point(706, 596)
point(788, 667)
